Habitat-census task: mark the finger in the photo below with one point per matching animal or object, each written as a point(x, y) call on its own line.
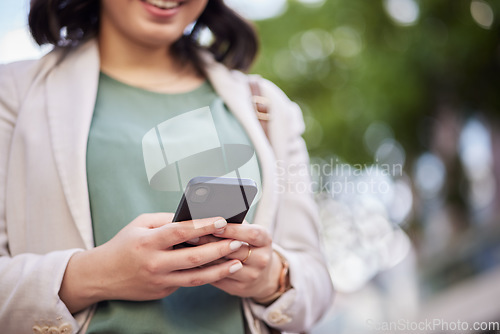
point(218, 261)
point(191, 257)
point(203, 240)
point(259, 259)
point(245, 275)
point(153, 220)
point(237, 255)
point(244, 254)
point(232, 286)
point(255, 235)
point(205, 275)
point(176, 233)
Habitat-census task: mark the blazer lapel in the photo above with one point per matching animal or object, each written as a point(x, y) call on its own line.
point(236, 94)
point(71, 93)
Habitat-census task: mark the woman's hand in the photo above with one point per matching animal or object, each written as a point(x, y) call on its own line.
point(259, 276)
point(139, 263)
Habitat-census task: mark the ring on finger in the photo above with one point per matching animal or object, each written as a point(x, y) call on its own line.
point(248, 254)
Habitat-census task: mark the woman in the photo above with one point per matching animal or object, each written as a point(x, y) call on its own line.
point(80, 250)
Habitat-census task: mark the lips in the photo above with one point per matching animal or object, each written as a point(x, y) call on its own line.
point(164, 4)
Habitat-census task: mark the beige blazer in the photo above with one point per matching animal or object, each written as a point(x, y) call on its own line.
point(46, 108)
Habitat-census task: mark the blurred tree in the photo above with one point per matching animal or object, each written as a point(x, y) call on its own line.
point(423, 67)
point(349, 63)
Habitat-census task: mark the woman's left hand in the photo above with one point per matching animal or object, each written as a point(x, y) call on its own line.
point(259, 276)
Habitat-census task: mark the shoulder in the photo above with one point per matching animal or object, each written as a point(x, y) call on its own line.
point(282, 107)
point(11, 75)
point(269, 89)
point(32, 67)
point(21, 75)
point(219, 73)
point(29, 71)
point(14, 80)
point(284, 111)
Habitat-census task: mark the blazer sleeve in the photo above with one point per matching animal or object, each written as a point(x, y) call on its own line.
point(296, 232)
point(29, 283)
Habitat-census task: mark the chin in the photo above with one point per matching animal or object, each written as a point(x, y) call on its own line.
point(152, 23)
point(158, 39)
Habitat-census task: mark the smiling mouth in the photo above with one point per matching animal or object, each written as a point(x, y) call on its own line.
point(164, 4)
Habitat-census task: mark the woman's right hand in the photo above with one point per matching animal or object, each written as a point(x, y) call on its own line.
point(139, 263)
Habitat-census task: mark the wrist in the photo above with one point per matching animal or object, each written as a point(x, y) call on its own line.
point(80, 287)
point(281, 282)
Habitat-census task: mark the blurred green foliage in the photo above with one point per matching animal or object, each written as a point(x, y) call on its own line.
point(347, 63)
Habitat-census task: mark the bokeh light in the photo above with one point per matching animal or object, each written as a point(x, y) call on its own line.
point(402, 12)
point(391, 152)
point(312, 3)
point(476, 155)
point(348, 41)
point(482, 13)
point(375, 134)
point(258, 9)
point(429, 175)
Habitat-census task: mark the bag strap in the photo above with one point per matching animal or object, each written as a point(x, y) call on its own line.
point(260, 104)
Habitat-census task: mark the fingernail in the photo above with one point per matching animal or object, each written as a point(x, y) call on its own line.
point(235, 267)
point(219, 232)
point(194, 240)
point(235, 244)
point(220, 223)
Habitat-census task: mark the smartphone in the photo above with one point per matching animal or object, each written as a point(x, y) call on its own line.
point(206, 197)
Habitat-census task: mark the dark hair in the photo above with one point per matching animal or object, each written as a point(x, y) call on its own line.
point(67, 23)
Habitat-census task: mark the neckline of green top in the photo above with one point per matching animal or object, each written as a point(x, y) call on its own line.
point(203, 87)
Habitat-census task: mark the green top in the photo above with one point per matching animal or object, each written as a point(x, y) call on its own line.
point(143, 149)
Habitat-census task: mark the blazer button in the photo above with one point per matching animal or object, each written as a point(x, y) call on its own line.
point(275, 316)
point(278, 318)
point(285, 319)
point(65, 328)
point(54, 330)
